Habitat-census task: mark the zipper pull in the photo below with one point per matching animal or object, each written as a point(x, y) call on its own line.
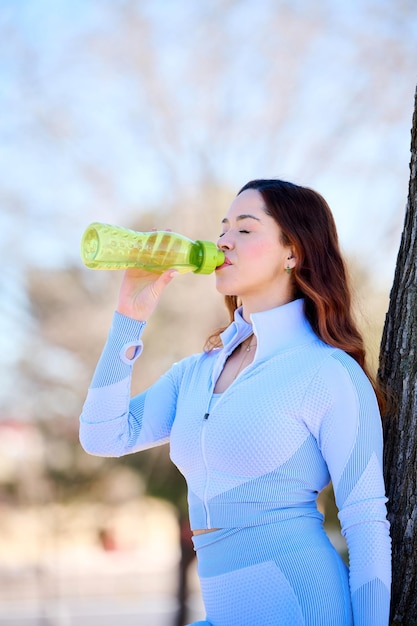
point(206, 416)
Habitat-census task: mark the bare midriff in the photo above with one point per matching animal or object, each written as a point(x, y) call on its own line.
point(203, 531)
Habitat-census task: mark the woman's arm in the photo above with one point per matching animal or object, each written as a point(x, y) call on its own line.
point(111, 424)
point(349, 434)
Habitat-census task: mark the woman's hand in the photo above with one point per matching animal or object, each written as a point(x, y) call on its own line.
point(140, 292)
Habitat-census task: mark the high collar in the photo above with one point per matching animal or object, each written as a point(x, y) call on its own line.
point(276, 330)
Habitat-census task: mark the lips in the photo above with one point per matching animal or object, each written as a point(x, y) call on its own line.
point(225, 264)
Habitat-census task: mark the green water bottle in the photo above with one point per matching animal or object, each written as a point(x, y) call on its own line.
point(107, 247)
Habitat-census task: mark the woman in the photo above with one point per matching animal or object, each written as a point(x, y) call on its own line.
point(278, 405)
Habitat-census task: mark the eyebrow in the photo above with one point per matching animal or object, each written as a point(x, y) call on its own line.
point(245, 216)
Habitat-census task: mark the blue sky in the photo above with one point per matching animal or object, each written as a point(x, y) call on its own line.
point(110, 107)
point(340, 133)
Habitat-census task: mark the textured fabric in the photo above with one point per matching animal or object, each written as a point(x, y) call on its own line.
point(300, 414)
point(285, 573)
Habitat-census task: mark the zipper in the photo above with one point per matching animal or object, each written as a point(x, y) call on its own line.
point(204, 456)
point(203, 452)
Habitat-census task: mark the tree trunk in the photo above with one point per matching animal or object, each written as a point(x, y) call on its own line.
point(186, 558)
point(398, 373)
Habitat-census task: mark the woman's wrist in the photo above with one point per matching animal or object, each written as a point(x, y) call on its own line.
point(138, 316)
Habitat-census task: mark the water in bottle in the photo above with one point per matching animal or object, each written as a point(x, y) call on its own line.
point(107, 247)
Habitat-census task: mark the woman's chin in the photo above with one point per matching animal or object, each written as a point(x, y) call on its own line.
point(223, 289)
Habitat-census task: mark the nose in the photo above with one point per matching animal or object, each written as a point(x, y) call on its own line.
point(224, 242)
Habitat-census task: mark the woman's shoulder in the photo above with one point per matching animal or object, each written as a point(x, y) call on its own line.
point(342, 376)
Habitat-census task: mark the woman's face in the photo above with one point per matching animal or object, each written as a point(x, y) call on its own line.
point(256, 259)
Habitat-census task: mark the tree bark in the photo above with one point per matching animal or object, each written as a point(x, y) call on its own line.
point(186, 558)
point(398, 374)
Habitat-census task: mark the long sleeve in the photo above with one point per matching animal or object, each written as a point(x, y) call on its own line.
point(113, 424)
point(349, 434)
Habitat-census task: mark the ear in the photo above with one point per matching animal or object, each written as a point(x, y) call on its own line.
point(291, 259)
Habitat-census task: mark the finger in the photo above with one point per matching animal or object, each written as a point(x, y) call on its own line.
point(166, 277)
point(158, 286)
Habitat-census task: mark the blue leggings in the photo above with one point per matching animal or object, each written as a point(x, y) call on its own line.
point(281, 574)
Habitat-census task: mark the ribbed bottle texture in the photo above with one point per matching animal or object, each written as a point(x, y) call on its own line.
point(107, 247)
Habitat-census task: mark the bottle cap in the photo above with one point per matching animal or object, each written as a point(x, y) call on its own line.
point(212, 257)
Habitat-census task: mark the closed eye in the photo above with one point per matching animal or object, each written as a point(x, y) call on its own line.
point(245, 232)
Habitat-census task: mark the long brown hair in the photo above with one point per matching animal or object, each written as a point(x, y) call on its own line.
point(320, 275)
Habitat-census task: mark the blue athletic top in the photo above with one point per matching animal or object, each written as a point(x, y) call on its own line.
point(301, 414)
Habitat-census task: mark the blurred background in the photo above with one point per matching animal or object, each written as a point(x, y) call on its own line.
point(153, 113)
